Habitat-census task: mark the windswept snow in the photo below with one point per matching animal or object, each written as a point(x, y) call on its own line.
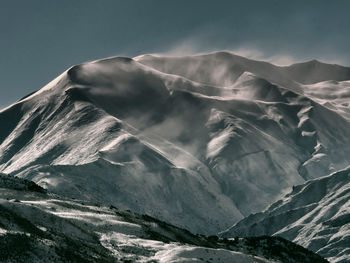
point(334, 95)
point(198, 141)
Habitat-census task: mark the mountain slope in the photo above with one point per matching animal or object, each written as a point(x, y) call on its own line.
point(36, 226)
point(332, 94)
point(223, 68)
point(188, 147)
point(315, 71)
point(315, 215)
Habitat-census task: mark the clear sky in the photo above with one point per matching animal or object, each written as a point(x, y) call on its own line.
point(41, 38)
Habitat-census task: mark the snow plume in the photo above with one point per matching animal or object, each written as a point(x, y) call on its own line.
point(151, 109)
point(196, 45)
point(256, 54)
point(175, 123)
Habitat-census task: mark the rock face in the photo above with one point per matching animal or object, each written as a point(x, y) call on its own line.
point(315, 215)
point(198, 141)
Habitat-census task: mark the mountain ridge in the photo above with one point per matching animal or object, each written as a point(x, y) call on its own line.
point(314, 215)
point(144, 128)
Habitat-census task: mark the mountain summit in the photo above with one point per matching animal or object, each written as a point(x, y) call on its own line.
point(199, 141)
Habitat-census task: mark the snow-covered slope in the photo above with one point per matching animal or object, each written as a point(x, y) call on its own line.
point(334, 95)
point(36, 226)
point(315, 215)
point(197, 141)
point(223, 68)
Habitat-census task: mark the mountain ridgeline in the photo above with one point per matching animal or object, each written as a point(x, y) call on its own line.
point(199, 141)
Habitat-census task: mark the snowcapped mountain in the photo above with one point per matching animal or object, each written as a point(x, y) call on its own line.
point(37, 226)
point(198, 141)
point(315, 215)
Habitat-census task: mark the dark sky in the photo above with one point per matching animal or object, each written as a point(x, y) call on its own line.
point(41, 38)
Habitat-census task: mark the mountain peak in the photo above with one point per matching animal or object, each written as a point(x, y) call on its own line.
point(198, 141)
